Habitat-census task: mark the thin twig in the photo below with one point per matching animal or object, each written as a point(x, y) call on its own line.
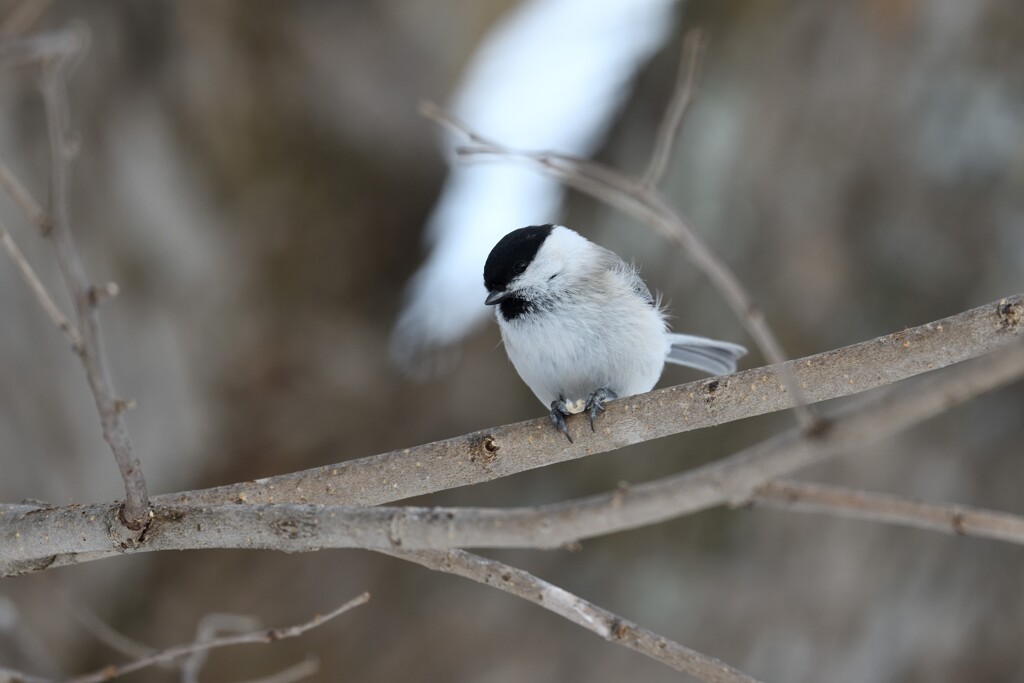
point(43, 538)
point(33, 50)
point(683, 98)
point(206, 631)
point(295, 672)
point(54, 91)
point(503, 451)
point(173, 653)
point(960, 520)
point(107, 635)
point(13, 676)
point(40, 291)
point(609, 626)
point(24, 199)
point(628, 195)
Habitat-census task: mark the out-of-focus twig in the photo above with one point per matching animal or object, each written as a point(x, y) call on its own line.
point(609, 626)
point(683, 97)
point(40, 291)
point(209, 627)
point(961, 520)
point(13, 676)
point(24, 199)
point(296, 672)
point(106, 634)
point(33, 50)
point(191, 665)
point(173, 653)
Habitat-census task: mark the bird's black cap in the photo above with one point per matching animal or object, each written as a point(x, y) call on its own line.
point(519, 247)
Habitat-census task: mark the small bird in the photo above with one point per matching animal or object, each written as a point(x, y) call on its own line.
point(581, 327)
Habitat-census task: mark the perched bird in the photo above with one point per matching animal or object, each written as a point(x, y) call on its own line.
point(581, 327)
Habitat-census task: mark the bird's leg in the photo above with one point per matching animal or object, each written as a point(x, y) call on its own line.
point(559, 411)
point(594, 405)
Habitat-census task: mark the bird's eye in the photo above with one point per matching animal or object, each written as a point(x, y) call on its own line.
point(519, 267)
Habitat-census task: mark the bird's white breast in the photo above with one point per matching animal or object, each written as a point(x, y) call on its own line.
point(585, 339)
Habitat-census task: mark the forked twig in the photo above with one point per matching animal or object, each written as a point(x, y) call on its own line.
point(174, 653)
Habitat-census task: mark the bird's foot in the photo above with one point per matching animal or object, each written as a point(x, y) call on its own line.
point(560, 411)
point(595, 405)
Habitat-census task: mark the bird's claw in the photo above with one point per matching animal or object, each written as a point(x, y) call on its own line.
point(594, 405)
point(559, 411)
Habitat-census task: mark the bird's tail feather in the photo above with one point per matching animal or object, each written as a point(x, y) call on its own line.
point(710, 355)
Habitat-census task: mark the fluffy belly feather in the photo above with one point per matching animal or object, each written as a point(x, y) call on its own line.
point(571, 359)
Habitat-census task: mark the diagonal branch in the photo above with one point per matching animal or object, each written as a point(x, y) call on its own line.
point(39, 538)
point(40, 291)
point(609, 626)
point(503, 451)
point(962, 520)
point(694, 44)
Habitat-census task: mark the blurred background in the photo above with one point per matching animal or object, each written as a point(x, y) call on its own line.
point(255, 177)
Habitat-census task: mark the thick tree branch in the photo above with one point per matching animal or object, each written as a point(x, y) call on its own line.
point(503, 451)
point(174, 653)
point(962, 520)
point(43, 537)
point(609, 626)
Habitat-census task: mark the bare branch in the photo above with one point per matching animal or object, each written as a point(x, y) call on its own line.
point(45, 537)
point(24, 199)
point(609, 626)
point(961, 520)
point(40, 291)
point(685, 94)
point(115, 432)
point(173, 653)
point(503, 451)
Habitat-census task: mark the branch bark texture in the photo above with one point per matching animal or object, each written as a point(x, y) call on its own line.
point(962, 520)
point(38, 538)
point(503, 451)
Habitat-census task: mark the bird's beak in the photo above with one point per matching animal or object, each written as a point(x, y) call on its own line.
point(496, 297)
